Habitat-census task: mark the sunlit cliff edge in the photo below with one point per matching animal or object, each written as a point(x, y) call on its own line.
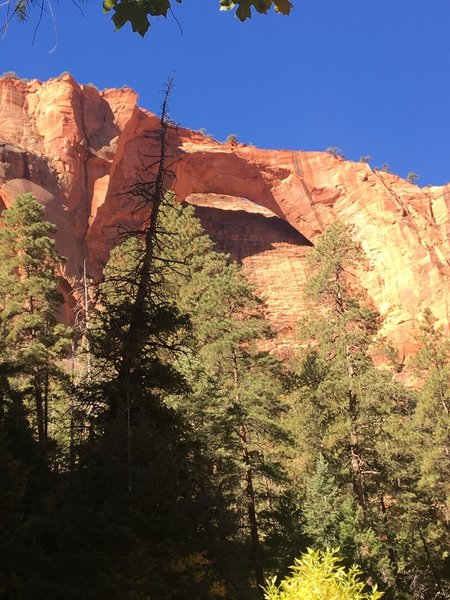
point(77, 149)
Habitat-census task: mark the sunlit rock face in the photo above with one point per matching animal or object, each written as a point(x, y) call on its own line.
point(78, 149)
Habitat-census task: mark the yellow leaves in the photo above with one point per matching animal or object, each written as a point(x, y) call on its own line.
point(319, 575)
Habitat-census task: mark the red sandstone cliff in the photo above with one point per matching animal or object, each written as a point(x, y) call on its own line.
point(77, 148)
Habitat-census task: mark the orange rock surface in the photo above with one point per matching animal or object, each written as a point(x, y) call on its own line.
point(77, 149)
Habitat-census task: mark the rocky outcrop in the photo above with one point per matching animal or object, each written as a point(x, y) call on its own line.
point(77, 149)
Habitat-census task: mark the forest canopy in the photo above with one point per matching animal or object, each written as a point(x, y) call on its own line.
point(201, 466)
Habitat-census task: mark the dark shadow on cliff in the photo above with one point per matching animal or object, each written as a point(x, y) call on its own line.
point(242, 234)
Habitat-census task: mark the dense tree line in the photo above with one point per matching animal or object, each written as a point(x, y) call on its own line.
point(187, 461)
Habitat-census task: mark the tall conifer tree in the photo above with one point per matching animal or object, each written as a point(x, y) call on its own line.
point(236, 387)
point(347, 411)
point(428, 513)
point(29, 303)
point(142, 464)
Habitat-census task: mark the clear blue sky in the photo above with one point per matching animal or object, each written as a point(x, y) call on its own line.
point(371, 77)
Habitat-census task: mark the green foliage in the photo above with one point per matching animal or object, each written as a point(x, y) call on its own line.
point(235, 396)
point(329, 265)
point(244, 7)
point(161, 325)
point(432, 363)
point(29, 300)
point(231, 138)
point(323, 508)
point(348, 414)
point(138, 12)
point(429, 505)
point(142, 480)
point(192, 467)
point(412, 177)
point(319, 575)
point(374, 455)
point(335, 151)
point(33, 387)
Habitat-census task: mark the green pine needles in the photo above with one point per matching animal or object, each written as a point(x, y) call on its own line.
point(31, 336)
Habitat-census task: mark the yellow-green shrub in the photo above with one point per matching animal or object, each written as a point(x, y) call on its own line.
point(319, 575)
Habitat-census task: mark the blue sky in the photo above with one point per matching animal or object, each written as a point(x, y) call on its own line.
point(370, 77)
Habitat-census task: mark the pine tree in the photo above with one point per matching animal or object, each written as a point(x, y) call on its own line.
point(429, 510)
point(433, 411)
point(247, 393)
point(32, 338)
point(336, 367)
point(162, 327)
point(143, 464)
point(322, 507)
point(347, 410)
point(236, 387)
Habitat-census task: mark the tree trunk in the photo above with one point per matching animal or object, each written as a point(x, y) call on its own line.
point(46, 395)
point(356, 461)
point(40, 417)
point(249, 489)
point(151, 195)
point(252, 519)
point(392, 554)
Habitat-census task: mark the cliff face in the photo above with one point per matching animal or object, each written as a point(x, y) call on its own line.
point(77, 149)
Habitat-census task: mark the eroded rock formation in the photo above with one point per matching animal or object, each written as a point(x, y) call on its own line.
point(77, 149)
